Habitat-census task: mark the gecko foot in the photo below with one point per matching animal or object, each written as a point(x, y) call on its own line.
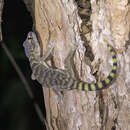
point(58, 96)
point(58, 99)
point(74, 46)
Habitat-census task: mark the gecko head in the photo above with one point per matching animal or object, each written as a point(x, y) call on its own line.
point(31, 45)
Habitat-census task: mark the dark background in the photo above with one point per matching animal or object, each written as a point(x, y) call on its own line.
point(16, 108)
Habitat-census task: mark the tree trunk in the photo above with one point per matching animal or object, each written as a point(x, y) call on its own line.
point(109, 109)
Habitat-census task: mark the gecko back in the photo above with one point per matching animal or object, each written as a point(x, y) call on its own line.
point(58, 79)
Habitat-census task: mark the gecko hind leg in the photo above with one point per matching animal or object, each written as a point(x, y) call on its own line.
point(58, 95)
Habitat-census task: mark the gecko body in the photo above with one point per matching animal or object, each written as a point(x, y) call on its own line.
point(58, 79)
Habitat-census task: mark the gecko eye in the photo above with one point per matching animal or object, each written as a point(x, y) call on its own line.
point(30, 39)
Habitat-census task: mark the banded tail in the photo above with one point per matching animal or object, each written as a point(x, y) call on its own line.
point(80, 85)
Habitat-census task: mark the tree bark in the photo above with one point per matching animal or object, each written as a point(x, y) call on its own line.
point(109, 109)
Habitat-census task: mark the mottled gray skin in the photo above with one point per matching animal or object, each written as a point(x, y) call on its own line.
point(58, 79)
point(49, 77)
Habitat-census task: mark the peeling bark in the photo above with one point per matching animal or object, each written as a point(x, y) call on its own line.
point(109, 109)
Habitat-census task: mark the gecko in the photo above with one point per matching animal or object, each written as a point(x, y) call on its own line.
point(58, 79)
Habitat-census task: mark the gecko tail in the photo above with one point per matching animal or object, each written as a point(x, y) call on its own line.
point(104, 83)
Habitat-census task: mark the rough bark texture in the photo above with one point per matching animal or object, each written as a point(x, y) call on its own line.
point(109, 109)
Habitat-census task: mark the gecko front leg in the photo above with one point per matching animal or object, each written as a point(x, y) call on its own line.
point(49, 51)
point(69, 60)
